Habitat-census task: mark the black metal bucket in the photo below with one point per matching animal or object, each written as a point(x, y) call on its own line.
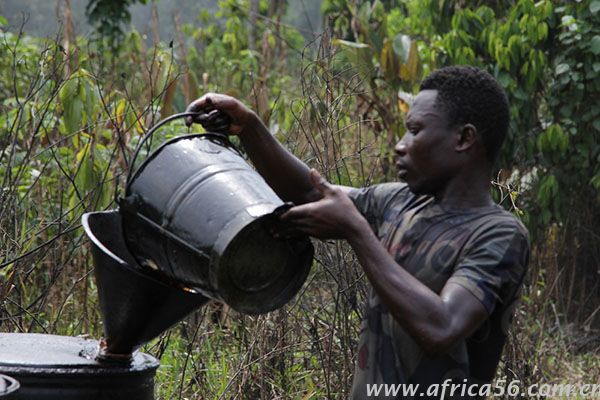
point(8, 385)
point(136, 305)
point(197, 212)
point(51, 367)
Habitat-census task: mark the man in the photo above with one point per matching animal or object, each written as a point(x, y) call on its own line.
point(444, 261)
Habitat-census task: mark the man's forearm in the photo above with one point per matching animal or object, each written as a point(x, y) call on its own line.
point(421, 312)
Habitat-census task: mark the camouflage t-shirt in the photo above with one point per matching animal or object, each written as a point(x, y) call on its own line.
point(485, 250)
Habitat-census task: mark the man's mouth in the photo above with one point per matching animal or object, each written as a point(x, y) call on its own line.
point(401, 170)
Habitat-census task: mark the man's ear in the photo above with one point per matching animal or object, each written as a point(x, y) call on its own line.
point(467, 137)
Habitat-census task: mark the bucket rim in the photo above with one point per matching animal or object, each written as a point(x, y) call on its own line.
point(97, 242)
point(136, 269)
point(251, 304)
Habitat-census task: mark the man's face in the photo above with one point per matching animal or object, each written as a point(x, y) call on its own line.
point(426, 155)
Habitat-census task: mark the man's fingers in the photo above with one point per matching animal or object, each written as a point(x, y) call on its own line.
point(295, 213)
point(213, 121)
point(204, 104)
point(293, 229)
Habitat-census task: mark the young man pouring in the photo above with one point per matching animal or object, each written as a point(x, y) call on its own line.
point(445, 263)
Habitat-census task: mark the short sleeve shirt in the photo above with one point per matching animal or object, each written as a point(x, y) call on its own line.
point(485, 250)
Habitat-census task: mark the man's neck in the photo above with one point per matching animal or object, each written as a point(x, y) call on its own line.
point(466, 191)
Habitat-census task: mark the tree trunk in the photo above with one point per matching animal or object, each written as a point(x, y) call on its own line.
point(252, 31)
point(68, 42)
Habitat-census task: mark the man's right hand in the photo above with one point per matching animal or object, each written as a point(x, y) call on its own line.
point(287, 175)
point(222, 113)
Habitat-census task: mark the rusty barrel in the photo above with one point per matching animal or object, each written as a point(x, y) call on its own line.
point(197, 212)
point(51, 367)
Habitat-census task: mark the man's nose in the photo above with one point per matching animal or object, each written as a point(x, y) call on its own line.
point(400, 147)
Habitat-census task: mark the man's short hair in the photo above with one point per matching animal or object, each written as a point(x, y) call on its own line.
point(470, 95)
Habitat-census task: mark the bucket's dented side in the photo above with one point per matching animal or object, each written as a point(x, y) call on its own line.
point(196, 211)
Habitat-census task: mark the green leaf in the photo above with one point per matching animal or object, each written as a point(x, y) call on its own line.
point(401, 46)
point(520, 94)
point(595, 6)
point(409, 71)
point(514, 48)
point(595, 181)
point(389, 61)
point(542, 31)
point(595, 45)
point(67, 92)
point(72, 116)
point(504, 79)
point(562, 68)
point(346, 43)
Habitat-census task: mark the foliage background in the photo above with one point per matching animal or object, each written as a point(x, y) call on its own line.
point(73, 108)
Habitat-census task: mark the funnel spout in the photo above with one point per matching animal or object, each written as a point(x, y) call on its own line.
point(135, 304)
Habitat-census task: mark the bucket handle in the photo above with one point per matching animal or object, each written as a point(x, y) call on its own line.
point(159, 124)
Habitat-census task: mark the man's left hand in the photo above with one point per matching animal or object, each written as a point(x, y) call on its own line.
point(334, 216)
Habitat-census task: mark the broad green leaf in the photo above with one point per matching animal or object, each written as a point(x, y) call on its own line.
point(389, 61)
point(595, 181)
point(120, 111)
point(514, 48)
point(133, 120)
point(84, 179)
point(68, 92)
point(548, 189)
point(91, 101)
point(595, 45)
point(401, 45)
point(412, 66)
point(595, 6)
point(542, 31)
point(73, 115)
point(562, 68)
point(346, 43)
point(504, 79)
point(560, 140)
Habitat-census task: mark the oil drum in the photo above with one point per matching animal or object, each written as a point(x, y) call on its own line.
point(197, 212)
point(51, 367)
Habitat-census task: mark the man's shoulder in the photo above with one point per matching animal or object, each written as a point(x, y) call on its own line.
point(385, 188)
point(382, 193)
point(502, 220)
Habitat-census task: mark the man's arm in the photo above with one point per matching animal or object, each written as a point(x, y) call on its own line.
point(435, 321)
point(287, 175)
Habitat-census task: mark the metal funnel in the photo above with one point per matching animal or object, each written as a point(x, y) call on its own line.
point(136, 305)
